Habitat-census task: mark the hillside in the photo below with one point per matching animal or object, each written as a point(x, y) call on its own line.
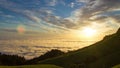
point(103, 54)
point(117, 66)
point(32, 66)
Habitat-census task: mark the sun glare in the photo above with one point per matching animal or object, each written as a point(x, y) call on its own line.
point(20, 29)
point(89, 32)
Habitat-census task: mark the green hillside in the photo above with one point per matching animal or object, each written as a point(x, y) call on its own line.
point(32, 66)
point(116, 66)
point(103, 54)
point(107, 61)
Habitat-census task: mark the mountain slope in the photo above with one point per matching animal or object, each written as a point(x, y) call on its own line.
point(95, 53)
point(32, 66)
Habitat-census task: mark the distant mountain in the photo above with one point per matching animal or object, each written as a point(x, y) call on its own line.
point(103, 54)
point(50, 54)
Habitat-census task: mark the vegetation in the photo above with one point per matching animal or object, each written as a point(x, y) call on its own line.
point(11, 60)
point(32, 66)
point(116, 66)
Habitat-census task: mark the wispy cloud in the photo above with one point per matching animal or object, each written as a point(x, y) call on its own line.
point(91, 11)
point(84, 1)
point(32, 15)
point(44, 14)
point(96, 10)
point(97, 7)
point(1, 12)
point(51, 2)
point(72, 5)
point(7, 16)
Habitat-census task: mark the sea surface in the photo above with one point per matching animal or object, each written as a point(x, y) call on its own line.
point(34, 48)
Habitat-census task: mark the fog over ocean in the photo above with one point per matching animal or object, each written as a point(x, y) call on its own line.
point(34, 48)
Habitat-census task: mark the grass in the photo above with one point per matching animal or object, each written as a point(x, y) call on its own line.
point(107, 62)
point(32, 66)
point(117, 66)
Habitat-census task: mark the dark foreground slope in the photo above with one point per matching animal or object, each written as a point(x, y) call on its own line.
point(32, 66)
point(103, 54)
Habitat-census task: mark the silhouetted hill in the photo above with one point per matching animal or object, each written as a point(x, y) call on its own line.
point(103, 54)
point(11, 60)
point(50, 54)
point(118, 32)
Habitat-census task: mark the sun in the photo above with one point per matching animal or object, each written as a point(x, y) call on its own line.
point(89, 32)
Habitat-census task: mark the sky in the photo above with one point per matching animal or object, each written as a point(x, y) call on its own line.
point(20, 19)
point(30, 28)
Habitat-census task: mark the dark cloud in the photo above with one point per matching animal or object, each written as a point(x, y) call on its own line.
point(97, 7)
point(15, 30)
point(56, 20)
point(8, 30)
point(116, 18)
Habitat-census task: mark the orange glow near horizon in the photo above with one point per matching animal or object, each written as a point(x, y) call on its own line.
point(21, 29)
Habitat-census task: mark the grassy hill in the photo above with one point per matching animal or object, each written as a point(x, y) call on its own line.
point(102, 54)
point(32, 66)
point(117, 66)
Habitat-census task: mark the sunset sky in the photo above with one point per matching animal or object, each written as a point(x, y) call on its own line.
point(82, 20)
point(43, 18)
